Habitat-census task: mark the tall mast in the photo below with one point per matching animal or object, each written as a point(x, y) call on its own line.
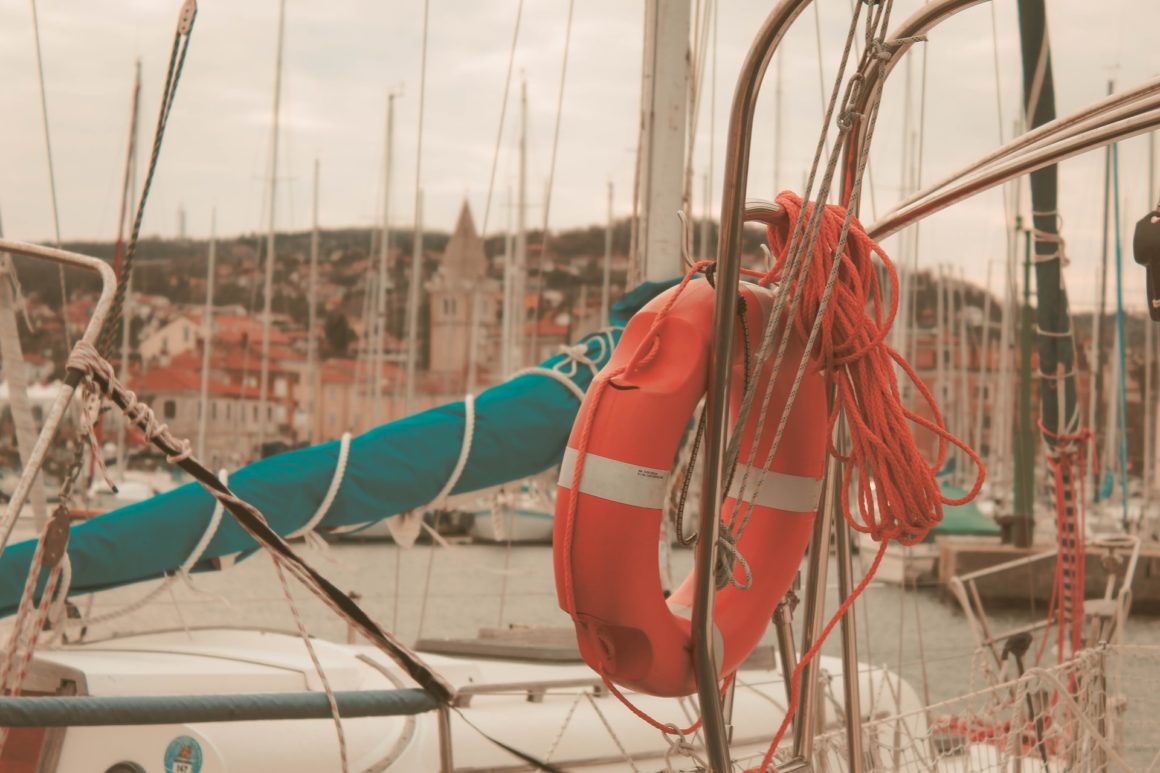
point(606, 283)
point(1059, 414)
point(508, 310)
point(984, 377)
point(1149, 414)
point(128, 199)
point(940, 339)
point(1121, 344)
point(666, 93)
point(384, 256)
point(964, 370)
point(413, 306)
point(312, 317)
point(417, 247)
point(271, 254)
point(207, 337)
point(1001, 458)
point(520, 275)
point(1097, 392)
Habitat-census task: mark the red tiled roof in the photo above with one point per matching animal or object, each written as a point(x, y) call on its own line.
point(176, 379)
point(343, 370)
point(232, 328)
point(547, 327)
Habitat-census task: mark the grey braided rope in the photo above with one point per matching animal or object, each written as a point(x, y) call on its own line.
point(876, 25)
point(855, 194)
point(794, 264)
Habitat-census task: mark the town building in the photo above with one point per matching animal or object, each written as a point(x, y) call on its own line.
point(464, 309)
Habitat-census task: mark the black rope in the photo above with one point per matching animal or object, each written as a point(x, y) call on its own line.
point(535, 762)
point(172, 76)
point(251, 519)
point(679, 514)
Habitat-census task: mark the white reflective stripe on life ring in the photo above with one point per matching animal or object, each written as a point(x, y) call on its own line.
point(779, 490)
point(616, 481)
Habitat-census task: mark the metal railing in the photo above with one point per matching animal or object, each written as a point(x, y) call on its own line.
point(72, 378)
point(1101, 124)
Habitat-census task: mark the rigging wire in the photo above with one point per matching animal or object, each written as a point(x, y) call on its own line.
point(696, 83)
point(544, 240)
point(51, 169)
point(502, 117)
point(712, 141)
point(271, 248)
point(415, 281)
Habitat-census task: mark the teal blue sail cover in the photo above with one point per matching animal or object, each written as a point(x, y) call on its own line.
point(521, 428)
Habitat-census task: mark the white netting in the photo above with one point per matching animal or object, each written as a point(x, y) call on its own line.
point(1099, 711)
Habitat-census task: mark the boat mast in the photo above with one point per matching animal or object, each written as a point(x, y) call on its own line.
point(606, 282)
point(520, 274)
point(1055, 343)
point(312, 317)
point(207, 337)
point(1097, 392)
point(505, 335)
point(1149, 414)
point(1121, 344)
point(666, 93)
point(416, 279)
point(384, 257)
point(940, 340)
point(128, 200)
point(271, 255)
point(984, 375)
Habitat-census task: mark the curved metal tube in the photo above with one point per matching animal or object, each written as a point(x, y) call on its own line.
point(1122, 105)
point(728, 271)
point(716, 401)
point(56, 412)
point(1026, 163)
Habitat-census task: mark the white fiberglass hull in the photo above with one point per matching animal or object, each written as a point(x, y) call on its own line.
point(568, 721)
point(512, 525)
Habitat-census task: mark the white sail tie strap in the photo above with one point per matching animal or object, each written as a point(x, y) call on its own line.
point(464, 451)
point(576, 355)
point(307, 529)
point(556, 375)
point(182, 571)
point(211, 528)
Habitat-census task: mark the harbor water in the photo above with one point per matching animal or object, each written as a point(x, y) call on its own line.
point(452, 592)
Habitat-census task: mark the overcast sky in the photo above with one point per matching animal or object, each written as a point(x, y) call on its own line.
point(343, 56)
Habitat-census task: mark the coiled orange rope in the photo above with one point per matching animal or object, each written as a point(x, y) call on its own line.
point(905, 501)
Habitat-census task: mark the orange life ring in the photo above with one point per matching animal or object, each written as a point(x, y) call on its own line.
point(627, 630)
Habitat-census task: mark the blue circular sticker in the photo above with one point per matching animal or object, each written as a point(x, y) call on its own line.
point(183, 755)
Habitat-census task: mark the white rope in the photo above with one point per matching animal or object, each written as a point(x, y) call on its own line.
point(308, 529)
point(300, 624)
point(575, 356)
point(464, 451)
point(555, 375)
point(564, 726)
point(182, 572)
point(615, 738)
